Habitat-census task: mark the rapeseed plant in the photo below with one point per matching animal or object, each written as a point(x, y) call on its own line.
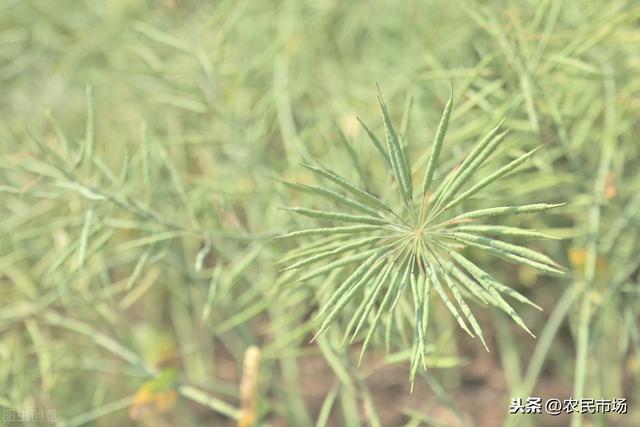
point(414, 243)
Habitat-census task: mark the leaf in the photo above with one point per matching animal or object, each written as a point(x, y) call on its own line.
point(505, 231)
point(338, 263)
point(314, 246)
point(396, 153)
point(214, 283)
point(403, 283)
point(59, 132)
point(84, 191)
point(373, 297)
point(474, 288)
point(504, 210)
point(338, 216)
point(490, 179)
point(406, 117)
point(353, 156)
point(347, 291)
point(437, 144)
point(465, 309)
point(366, 197)
point(510, 292)
point(205, 249)
point(488, 283)
point(419, 347)
point(368, 302)
point(341, 249)
point(509, 256)
point(326, 231)
point(423, 291)
point(334, 196)
point(376, 143)
point(443, 295)
point(478, 155)
point(84, 236)
point(311, 250)
point(393, 284)
point(518, 250)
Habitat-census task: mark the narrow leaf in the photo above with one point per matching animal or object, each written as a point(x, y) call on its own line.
point(396, 153)
point(509, 256)
point(338, 263)
point(350, 294)
point(338, 216)
point(470, 164)
point(353, 229)
point(365, 196)
point(504, 210)
point(490, 179)
point(211, 292)
point(334, 196)
point(465, 309)
point(518, 250)
point(365, 307)
point(443, 296)
point(437, 144)
point(372, 301)
point(505, 231)
point(487, 281)
point(84, 236)
point(393, 284)
point(310, 250)
point(357, 164)
point(376, 143)
point(330, 253)
point(474, 288)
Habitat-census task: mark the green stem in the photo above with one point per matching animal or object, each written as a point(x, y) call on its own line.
point(585, 286)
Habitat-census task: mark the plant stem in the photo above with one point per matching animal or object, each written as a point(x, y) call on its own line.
point(584, 286)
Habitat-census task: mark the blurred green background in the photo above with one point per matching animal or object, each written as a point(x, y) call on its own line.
point(143, 145)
